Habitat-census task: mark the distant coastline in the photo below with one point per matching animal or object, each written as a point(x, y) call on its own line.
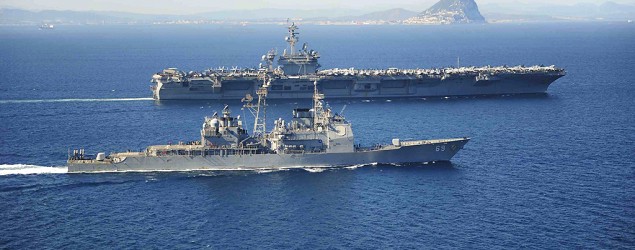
point(306, 22)
point(493, 13)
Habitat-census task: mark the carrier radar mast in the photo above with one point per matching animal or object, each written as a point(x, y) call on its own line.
point(292, 39)
point(298, 62)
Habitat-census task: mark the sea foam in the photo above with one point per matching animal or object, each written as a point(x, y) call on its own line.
point(24, 169)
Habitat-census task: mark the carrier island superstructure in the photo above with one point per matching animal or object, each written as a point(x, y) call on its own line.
point(315, 137)
point(296, 69)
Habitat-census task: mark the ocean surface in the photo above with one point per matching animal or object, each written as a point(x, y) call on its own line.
point(542, 171)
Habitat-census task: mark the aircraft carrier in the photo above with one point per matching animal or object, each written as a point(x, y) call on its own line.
point(315, 137)
point(296, 69)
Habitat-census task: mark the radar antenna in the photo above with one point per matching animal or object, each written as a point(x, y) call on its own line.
point(268, 58)
point(292, 39)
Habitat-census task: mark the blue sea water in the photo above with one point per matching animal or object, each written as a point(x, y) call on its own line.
point(542, 171)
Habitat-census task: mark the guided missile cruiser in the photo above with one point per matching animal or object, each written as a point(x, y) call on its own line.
point(315, 137)
point(293, 76)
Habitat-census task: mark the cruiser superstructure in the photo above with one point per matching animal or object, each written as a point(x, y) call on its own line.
point(315, 137)
point(298, 68)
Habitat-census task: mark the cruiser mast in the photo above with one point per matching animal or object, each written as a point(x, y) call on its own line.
point(260, 121)
point(320, 116)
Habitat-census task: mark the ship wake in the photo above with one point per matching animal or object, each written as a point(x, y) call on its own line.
point(25, 169)
point(77, 100)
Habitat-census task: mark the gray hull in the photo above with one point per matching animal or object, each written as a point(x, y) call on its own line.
point(438, 150)
point(356, 87)
point(297, 69)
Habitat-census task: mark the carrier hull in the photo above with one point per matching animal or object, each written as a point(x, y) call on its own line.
point(408, 152)
point(367, 87)
point(298, 69)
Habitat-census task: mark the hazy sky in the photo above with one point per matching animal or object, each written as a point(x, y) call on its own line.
point(197, 6)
